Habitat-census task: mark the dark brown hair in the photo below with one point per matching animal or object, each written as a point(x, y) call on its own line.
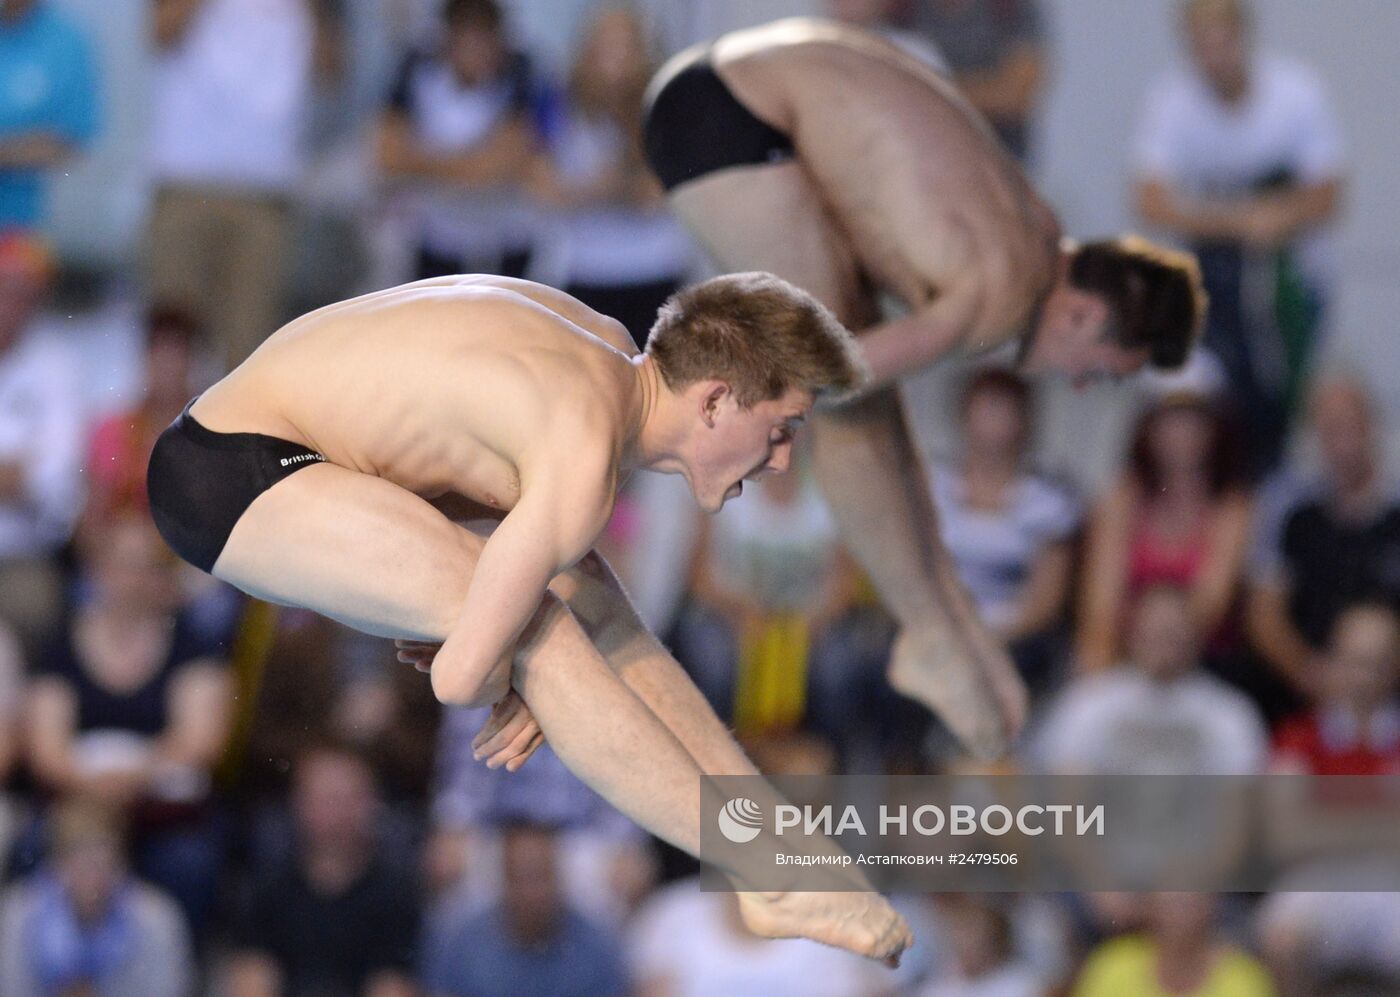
point(997, 381)
point(1008, 384)
point(332, 746)
point(1154, 295)
point(1225, 469)
point(167, 320)
point(622, 103)
point(757, 333)
point(483, 14)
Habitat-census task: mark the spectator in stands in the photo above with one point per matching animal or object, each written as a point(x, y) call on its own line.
point(48, 103)
point(1182, 953)
point(131, 706)
point(232, 91)
point(529, 943)
point(1008, 529)
point(455, 140)
point(985, 961)
point(41, 427)
point(718, 954)
point(1354, 726)
point(320, 680)
point(605, 863)
point(11, 716)
point(82, 924)
point(612, 243)
point(1159, 713)
point(1238, 154)
point(996, 53)
point(340, 915)
point(120, 446)
point(1313, 939)
point(1179, 516)
point(1336, 541)
point(688, 943)
point(770, 587)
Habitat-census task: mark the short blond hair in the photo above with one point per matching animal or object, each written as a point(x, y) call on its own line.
point(757, 333)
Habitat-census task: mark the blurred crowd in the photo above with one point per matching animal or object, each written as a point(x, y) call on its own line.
point(200, 793)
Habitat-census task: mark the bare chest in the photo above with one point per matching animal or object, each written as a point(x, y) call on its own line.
point(458, 466)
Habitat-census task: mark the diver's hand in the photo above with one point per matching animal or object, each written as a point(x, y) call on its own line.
point(510, 736)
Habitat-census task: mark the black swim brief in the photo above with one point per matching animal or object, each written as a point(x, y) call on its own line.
point(201, 482)
point(695, 126)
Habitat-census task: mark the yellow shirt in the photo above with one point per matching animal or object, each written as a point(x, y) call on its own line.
point(1129, 966)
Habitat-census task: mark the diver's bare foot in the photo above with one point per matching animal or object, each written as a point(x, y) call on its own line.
point(983, 708)
point(1010, 691)
point(863, 923)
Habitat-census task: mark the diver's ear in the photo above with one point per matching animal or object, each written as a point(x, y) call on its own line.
point(712, 396)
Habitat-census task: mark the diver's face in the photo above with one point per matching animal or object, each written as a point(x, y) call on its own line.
point(1073, 339)
point(736, 444)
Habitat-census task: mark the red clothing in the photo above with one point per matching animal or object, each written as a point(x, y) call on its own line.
point(1327, 742)
point(1152, 562)
point(118, 452)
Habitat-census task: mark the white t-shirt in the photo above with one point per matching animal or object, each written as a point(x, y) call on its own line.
point(684, 937)
point(42, 428)
point(777, 555)
point(610, 245)
point(474, 224)
point(231, 96)
point(995, 551)
point(1009, 980)
point(1338, 912)
point(1125, 723)
point(1285, 126)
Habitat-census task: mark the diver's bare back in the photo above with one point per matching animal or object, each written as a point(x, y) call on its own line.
point(441, 386)
point(911, 172)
